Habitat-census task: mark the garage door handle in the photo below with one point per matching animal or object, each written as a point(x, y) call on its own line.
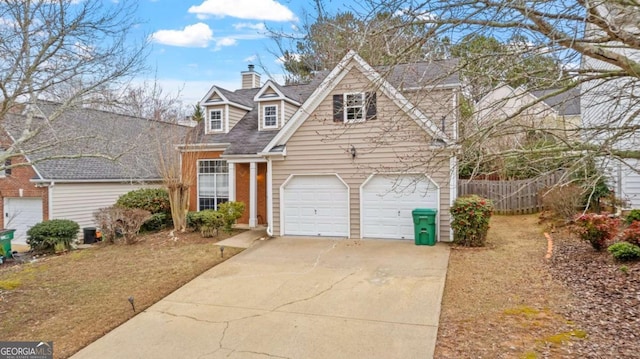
point(398, 213)
point(315, 211)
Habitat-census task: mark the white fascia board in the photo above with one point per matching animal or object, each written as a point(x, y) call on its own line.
point(225, 101)
point(281, 96)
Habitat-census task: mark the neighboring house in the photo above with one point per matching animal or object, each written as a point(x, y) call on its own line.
point(610, 104)
point(71, 176)
point(349, 154)
point(517, 111)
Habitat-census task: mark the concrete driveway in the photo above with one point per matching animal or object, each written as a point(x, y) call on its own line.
point(296, 298)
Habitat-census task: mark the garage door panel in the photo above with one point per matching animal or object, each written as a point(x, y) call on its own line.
point(21, 214)
point(388, 202)
point(315, 205)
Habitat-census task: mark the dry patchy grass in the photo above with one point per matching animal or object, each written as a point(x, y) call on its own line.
point(501, 302)
point(75, 298)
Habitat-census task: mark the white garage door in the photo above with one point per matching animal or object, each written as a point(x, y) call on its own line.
point(316, 206)
point(21, 214)
point(387, 203)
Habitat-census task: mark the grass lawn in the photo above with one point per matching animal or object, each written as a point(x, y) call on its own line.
point(500, 301)
point(72, 299)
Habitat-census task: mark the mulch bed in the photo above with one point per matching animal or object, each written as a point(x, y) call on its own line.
point(606, 298)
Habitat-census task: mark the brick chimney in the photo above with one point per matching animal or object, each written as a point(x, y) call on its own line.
point(250, 78)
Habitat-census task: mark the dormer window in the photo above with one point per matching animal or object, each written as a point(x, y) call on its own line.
point(354, 107)
point(270, 116)
point(215, 120)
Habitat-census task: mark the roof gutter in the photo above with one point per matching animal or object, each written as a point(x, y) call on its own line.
point(201, 146)
point(122, 180)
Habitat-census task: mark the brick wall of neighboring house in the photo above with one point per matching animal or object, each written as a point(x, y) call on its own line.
point(11, 184)
point(190, 170)
point(242, 191)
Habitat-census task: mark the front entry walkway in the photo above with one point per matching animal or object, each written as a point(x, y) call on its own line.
point(296, 298)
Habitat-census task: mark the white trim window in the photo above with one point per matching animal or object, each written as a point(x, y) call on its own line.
point(270, 116)
point(354, 107)
point(213, 184)
point(215, 121)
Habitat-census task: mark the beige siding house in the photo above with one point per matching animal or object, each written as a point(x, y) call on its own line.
point(349, 155)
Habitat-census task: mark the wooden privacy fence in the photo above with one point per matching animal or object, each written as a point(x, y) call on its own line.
point(510, 197)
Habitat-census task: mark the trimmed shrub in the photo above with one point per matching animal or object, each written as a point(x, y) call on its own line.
point(471, 215)
point(624, 251)
point(230, 211)
point(154, 200)
point(597, 229)
point(156, 222)
point(633, 216)
point(563, 201)
point(632, 233)
point(120, 224)
point(53, 235)
point(208, 222)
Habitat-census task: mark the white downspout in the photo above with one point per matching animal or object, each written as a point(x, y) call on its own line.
point(269, 199)
point(50, 200)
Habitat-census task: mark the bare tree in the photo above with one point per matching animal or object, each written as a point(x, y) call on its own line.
point(584, 51)
point(64, 51)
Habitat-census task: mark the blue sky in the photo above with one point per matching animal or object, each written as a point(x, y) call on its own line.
point(198, 43)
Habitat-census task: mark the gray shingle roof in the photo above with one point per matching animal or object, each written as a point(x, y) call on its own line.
point(566, 103)
point(87, 134)
point(245, 138)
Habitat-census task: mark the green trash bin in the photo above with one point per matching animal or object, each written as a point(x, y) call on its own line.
point(424, 226)
point(6, 236)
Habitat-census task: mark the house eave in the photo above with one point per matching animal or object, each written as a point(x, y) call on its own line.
point(197, 147)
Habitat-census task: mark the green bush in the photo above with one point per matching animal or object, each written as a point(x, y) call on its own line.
point(597, 229)
point(470, 223)
point(230, 211)
point(158, 221)
point(624, 251)
point(53, 235)
point(634, 215)
point(154, 200)
point(208, 222)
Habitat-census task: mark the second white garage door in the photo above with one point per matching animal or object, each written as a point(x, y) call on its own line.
point(387, 203)
point(315, 206)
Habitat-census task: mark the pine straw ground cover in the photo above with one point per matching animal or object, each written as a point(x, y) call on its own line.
point(72, 299)
point(507, 301)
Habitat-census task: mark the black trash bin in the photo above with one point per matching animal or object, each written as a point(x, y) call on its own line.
point(89, 234)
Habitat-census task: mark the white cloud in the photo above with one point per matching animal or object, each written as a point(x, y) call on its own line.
point(247, 25)
point(197, 35)
point(225, 41)
point(422, 16)
point(244, 9)
point(280, 60)
point(251, 58)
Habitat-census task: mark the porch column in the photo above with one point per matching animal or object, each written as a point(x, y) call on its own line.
point(253, 196)
point(232, 181)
